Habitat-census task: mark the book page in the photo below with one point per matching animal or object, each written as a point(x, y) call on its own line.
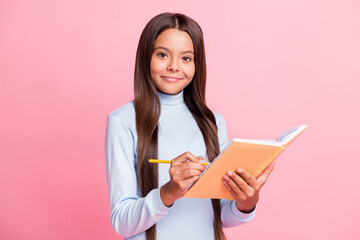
point(259, 141)
point(290, 134)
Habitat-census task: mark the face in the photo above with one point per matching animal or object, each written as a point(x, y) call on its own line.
point(172, 64)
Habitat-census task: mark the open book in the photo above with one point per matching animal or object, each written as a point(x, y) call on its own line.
point(252, 155)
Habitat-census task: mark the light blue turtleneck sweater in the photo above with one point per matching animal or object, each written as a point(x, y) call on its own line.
point(131, 214)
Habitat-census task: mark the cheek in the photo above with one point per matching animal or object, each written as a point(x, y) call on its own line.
point(156, 67)
point(153, 67)
point(190, 71)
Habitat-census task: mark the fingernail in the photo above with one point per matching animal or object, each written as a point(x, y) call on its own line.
point(226, 178)
point(239, 170)
point(229, 173)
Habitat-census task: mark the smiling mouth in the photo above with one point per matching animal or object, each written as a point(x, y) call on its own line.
point(171, 79)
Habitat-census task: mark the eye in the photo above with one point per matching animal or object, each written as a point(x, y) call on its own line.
point(187, 59)
point(162, 55)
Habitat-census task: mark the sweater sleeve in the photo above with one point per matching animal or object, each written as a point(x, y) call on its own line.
point(130, 213)
point(230, 215)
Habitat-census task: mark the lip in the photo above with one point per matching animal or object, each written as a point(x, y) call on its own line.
point(171, 79)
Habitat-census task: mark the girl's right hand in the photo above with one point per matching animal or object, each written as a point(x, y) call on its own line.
point(184, 170)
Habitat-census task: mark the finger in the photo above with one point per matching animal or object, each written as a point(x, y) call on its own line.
point(185, 170)
point(235, 193)
point(184, 184)
point(263, 177)
point(200, 158)
point(248, 178)
point(185, 157)
point(188, 174)
point(236, 183)
point(191, 165)
point(189, 181)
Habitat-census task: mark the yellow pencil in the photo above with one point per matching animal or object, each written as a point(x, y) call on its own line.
point(168, 161)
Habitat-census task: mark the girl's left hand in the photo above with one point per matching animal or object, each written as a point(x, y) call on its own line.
point(245, 188)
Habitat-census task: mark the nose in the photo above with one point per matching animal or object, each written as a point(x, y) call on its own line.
point(173, 66)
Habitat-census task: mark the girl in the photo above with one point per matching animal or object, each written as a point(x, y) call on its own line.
point(169, 120)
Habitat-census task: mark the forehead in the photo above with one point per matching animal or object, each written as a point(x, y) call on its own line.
point(174, 39)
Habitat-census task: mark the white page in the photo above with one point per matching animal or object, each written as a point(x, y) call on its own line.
point(290, 134)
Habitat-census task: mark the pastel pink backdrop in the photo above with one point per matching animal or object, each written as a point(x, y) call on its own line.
point(272, 65)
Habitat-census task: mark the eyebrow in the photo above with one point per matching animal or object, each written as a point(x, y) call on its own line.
point(166, 49)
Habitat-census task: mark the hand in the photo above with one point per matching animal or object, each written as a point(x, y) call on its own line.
point(245, 188)
point(184, 170)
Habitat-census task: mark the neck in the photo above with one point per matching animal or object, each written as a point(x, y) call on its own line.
point(171, 100)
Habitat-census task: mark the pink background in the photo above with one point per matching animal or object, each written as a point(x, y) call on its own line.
point(272, 65)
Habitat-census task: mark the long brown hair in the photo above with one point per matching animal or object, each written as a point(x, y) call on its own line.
point(147, 106)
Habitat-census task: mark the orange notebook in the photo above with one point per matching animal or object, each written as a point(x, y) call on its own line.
point(250, 154)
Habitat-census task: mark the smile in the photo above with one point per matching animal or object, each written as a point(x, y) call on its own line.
point(171, 79)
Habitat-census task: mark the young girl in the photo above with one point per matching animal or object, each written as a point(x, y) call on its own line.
point(169, 120)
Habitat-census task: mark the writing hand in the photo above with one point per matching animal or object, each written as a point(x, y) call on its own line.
point(184, 170)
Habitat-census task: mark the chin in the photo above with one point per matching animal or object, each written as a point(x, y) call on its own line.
point(169, 90)
point(173, 92)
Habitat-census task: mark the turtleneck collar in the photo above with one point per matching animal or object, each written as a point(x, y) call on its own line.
point(171, 100)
